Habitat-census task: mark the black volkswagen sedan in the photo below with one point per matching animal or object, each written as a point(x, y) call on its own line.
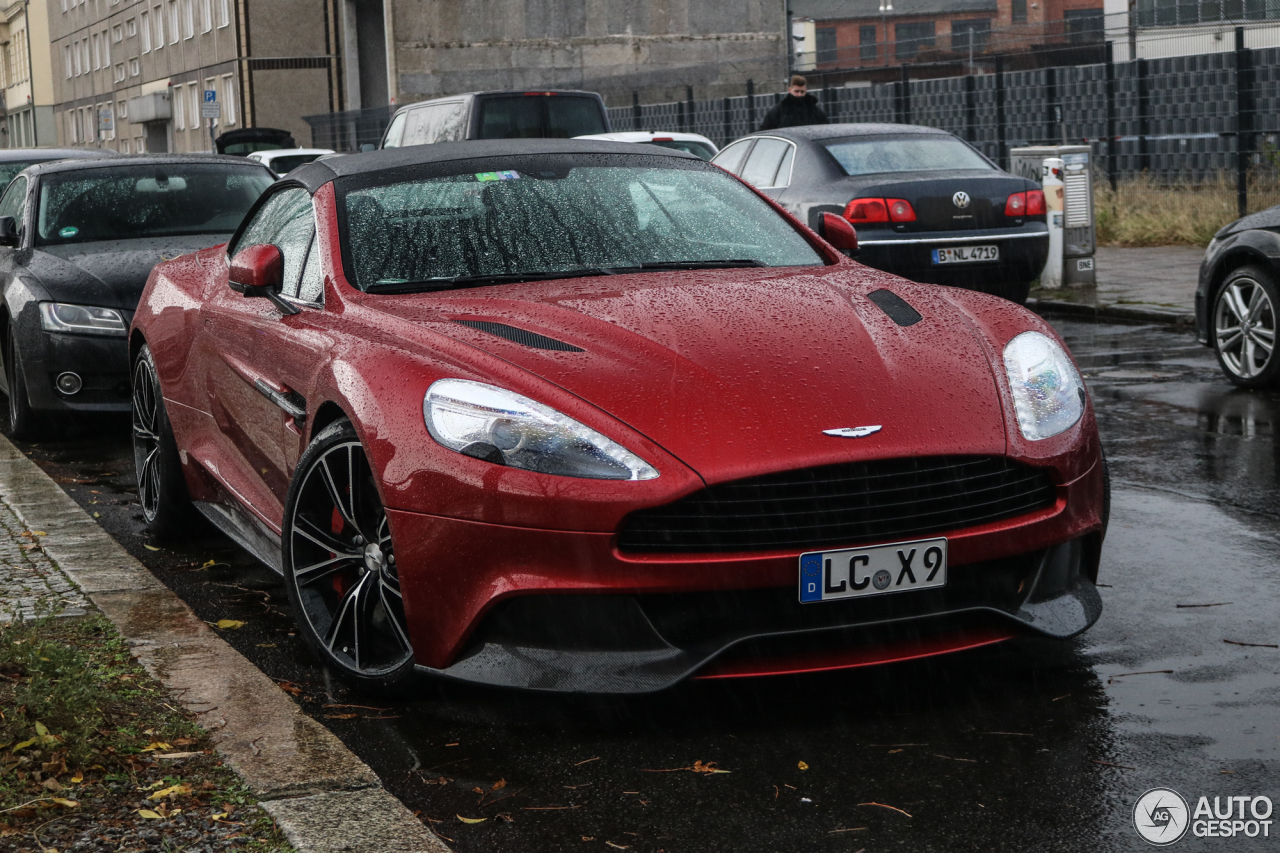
point(78, 239)
point(1238, 297)
point(14, 160)
point(926, 205)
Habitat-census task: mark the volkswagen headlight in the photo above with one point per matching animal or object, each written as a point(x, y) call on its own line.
point(1048, 394)
point(505, 428)
point(81, 319)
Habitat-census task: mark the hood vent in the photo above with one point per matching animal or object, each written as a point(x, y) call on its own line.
point(521, 336)
point(896, 307)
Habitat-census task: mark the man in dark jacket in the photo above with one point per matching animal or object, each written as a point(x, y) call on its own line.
point(796, 109)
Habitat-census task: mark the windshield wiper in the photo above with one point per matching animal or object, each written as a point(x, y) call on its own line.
point(459, 281)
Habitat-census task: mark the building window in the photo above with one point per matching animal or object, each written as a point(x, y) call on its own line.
point(122, 109)
point(109, 119)
point(867, 43)
point(157, 15)
point(106, 50)
point(970, 36)
point(175, 22)
point(97, 52)
point(194, 92)
point(119, 76)
point(228, 100)
point(117, 33)
point(84, 44)
point(66, 54)
point(72, 129)
point(825, 44)
point(1019, 11)
point(124, 146)
point(189, 18)
point(224, 12)
point(1086, 26)
point(146, 32)
point(206, 15)
point(179, 119)
point(131, 27)
point(64, 7)
point(135, 67)
point(912, 38)
point(75, 49)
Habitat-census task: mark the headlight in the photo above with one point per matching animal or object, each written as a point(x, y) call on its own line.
point(81, 319)
point(1048, 395)
point(505, 428)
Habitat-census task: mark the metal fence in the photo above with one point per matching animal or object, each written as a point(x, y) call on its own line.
point(347, 131)
point(1176, 121)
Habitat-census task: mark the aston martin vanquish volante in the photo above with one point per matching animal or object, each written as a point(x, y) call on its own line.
point(584, 416)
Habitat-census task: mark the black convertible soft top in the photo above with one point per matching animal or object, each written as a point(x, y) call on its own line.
point(319, 172)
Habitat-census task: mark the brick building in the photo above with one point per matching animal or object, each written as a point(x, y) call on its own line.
point(870, 33)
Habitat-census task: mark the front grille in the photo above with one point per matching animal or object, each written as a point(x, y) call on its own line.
point(838, 505)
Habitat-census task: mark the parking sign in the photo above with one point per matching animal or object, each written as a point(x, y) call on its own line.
point(210, 108)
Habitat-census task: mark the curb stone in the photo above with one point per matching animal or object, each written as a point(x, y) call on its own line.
point(324, 798)
point(1145, 314)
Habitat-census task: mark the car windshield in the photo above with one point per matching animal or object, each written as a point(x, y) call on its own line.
point(9, 168)
point(904, 154)
point(691, 146)
point(126, 202)
point(541, 116)
point(553, 217)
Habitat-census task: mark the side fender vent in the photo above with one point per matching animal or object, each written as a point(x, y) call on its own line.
point(521, 336)
point(898, 309)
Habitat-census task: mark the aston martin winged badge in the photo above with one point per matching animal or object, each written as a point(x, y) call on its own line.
point(852, 432)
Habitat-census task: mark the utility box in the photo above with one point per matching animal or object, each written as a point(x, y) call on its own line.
point(1079, 239)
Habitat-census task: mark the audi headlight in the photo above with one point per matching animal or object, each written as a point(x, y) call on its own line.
point(500, 426)
point(1048, 394)
point(81, 319)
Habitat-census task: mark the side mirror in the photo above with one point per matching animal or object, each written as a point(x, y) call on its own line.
point(837, 231)
point(258, 272)
point(367, 147)
point(8, 231)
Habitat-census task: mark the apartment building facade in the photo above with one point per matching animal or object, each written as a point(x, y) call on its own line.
point(131, 75)
point(26, 78)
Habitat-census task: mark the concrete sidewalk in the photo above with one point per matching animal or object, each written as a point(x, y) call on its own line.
point(1151, 284)
point(322, 796)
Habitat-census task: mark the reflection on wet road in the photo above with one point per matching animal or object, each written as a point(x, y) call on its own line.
point(1026, 746)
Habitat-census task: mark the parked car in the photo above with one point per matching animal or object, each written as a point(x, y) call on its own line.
point(77, 241)
point(693, 143)
point(245, 140)
point(560, 114)
point(14, 160)
point(926, 205)
point(496, 412)
point(1238, 297)
point(282, 161)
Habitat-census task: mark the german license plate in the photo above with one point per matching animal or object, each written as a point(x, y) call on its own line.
point(966, 254)
point(878, 570)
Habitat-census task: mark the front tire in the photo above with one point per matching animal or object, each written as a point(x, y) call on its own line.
point(339, 566)
point(1243, 326)
point(162, 488)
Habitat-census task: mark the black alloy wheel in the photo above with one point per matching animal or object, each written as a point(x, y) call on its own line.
point(24, 422)
point(339, 565)
point(1243, 324)
point(162, 489)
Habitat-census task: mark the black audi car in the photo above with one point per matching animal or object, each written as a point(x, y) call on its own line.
point(926, 205)
point(1238, 296)
point(78, 239)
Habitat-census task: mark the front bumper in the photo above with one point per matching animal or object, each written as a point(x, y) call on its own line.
point(1022, 255)
point(566, 611)
point(101, 362)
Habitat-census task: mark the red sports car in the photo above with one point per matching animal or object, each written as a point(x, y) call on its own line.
point(582, 416)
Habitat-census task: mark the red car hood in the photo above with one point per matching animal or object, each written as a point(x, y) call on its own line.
point(739, 372)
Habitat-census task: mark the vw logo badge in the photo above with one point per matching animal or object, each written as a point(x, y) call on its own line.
point(960, 199)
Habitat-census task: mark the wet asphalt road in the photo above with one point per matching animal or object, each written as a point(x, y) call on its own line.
point(1027, 745)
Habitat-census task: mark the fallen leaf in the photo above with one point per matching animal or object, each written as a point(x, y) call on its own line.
point(472, 819)
point(147, 813)
point(38, 533)
point(230, 624)
point(209, 564)
point(51, 784)
point(156, 744)
point(150, 548)
point(97, 515)
point(290, 688)
point(78, 778)
point(500, 784)
point(24, 744)
point(341, 716)
point(803, 766)
point(172, 790)
point(65, 803)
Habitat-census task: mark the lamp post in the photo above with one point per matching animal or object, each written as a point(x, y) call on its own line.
point(886, 6)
